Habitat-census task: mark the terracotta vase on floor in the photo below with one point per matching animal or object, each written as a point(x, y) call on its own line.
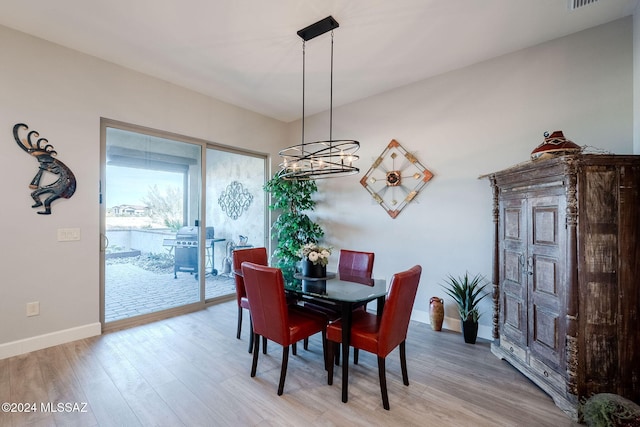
point(436, 313)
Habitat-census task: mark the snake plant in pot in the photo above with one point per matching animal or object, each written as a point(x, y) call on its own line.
point(467, 292)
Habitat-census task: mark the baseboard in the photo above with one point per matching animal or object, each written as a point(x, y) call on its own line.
point(453, 324)
point(39, 342)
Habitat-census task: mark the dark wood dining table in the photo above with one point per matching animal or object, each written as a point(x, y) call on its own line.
point(345, 292)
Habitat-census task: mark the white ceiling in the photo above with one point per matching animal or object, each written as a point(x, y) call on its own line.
point(247, 52)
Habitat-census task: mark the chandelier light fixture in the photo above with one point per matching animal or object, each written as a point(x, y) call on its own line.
point(319, 159)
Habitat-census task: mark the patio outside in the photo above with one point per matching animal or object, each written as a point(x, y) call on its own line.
point(145, 284)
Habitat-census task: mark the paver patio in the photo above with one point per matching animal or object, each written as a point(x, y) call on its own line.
point(132, 290)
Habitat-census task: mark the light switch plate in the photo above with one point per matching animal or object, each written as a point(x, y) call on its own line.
point(33, 308)
point(68, 234)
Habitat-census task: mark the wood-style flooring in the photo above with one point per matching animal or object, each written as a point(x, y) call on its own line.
point(192, 371)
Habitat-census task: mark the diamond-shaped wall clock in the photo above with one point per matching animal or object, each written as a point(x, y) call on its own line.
point(395, 178)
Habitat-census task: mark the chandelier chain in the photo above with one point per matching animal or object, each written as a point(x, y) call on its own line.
point(319, 159)
point(331, 94)
point(304, 43)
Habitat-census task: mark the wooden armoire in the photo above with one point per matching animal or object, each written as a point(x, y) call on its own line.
point(567, 275)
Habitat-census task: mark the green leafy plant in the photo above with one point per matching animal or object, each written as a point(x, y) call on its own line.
point(607, 409)
point(467, 293)
point(166, 207)
point(293, 228)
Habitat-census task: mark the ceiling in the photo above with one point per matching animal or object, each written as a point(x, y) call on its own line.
point(247, 52)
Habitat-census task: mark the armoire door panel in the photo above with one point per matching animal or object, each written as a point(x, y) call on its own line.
point(513, 263)
point(545, 344)
point(512, 226)
point(513, 325)
point(545, 225)
point(545, 273)
point(545, 328)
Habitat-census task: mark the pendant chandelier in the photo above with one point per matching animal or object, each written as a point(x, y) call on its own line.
point(319, 159)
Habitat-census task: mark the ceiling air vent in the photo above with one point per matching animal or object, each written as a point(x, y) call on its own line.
point(576, 4)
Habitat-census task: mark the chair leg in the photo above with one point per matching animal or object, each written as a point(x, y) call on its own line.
point(306, 343)
point(330, 355)
point(264, 345)
point(383, 382)
point(403, 363)
point(294, 348)
point(239, 322)
point(324, 349)
point(250, 333)
point(256, 350)
point(356, 353)
point(283, 371)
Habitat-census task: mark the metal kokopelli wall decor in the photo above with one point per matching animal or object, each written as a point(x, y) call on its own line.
point(65, 184)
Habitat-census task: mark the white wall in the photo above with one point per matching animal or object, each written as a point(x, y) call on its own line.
point(62, 94)
point(464, 124)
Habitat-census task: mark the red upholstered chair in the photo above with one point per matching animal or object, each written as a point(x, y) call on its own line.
point(355, 263)
point(257, 256)
point(273, 318)
point(381, 334)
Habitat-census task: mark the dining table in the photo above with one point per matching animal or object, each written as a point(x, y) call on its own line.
point(344, 291)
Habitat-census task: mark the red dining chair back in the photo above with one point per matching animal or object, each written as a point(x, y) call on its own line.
point(356, 263)
point(273, 318)
point(352, 266)
point(381, 334)
point(255, 255)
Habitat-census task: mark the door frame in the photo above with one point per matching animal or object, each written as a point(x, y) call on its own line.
point(204, 145)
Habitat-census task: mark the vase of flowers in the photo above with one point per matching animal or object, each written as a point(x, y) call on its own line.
point(314, 260)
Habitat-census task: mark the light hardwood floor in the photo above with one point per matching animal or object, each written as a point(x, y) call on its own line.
point(192, 371)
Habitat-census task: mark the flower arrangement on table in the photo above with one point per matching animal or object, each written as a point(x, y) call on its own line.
point(315, 254)
point(314, 260)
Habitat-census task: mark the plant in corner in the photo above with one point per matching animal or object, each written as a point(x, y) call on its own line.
point(293, 228)
point(467, 293)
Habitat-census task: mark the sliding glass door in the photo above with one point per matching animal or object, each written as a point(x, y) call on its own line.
point(235, 208)
point(151, 199)
point(160, 257)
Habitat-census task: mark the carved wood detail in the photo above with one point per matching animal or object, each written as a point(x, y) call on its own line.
point(572, 224)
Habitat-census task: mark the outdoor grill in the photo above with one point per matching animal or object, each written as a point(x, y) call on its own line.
point(186, 249)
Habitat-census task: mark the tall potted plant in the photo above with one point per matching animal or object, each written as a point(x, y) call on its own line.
point(293, 228)
point(467, 293)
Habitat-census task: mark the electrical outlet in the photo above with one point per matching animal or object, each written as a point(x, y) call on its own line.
point(68, 234)
point(33, 308)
